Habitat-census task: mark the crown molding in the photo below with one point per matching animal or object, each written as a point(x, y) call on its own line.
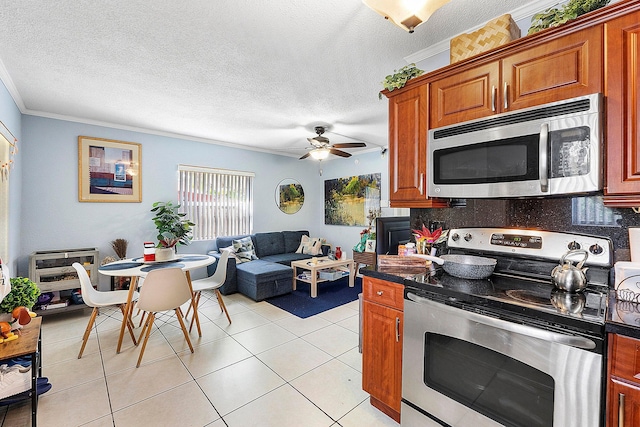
point(517, 14)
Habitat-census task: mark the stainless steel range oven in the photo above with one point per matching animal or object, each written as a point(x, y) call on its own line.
point(509, 350)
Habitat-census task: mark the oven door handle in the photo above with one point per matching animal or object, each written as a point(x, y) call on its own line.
point(570, 340)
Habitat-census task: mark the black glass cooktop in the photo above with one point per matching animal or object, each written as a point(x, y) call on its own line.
point(522, 300)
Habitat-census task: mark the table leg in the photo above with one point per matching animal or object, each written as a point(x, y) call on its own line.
point(314, 283)
point(295, 276)
point(352, 274)
point(133, 284)
point(194, 304)
point(34, 390)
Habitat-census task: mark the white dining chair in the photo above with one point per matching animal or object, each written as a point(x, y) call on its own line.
point(98, 299)
point(164, 289)
point(213, 283)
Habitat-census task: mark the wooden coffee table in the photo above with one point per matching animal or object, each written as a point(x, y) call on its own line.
point(321, 264)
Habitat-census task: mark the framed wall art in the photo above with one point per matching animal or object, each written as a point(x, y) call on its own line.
point(289, 196)
point(348, 200)
point(109, 170)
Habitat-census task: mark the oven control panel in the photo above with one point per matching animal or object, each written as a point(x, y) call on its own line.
point(550, 245)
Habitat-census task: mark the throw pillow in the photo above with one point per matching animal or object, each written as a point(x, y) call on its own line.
point(231, 249)
point(310, 246)
point(244, 249)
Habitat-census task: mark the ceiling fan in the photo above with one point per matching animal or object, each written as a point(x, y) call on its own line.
point(320, 147)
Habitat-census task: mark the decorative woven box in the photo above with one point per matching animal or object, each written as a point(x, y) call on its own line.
point(496, 33)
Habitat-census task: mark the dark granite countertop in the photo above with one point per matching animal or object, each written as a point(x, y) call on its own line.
point(623, 317)
point(390, 275)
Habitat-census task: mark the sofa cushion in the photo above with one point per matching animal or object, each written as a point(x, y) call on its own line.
point(285, 259)
point(269, 243)
point(244, 249)
point(292, 240)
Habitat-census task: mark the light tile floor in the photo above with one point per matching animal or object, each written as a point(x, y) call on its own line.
point(268, 368)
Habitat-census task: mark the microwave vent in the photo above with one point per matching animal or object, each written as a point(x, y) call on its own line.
point(576, 106)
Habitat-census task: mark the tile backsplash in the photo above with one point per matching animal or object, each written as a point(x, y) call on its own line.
point(555, 214)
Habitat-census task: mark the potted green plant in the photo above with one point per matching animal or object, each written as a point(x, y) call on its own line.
point(173, 229)
point(24, 293)
point(554, 17)
point(400, 77)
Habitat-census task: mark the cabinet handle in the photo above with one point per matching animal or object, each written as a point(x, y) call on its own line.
point(620, 410)
point(421, 187)
point(505, 94)
point(543, 165)
point(379, 293)
point(398, 333)
point(493, 98)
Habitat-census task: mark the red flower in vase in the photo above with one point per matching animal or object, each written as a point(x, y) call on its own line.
point(428, 236)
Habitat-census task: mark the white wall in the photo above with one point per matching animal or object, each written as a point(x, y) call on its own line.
point(52, 217)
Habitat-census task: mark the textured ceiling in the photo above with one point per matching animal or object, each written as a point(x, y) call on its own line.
point(255, 74)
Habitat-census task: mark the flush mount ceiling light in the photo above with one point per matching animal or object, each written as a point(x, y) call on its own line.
point(406, 14)
point(320, 153)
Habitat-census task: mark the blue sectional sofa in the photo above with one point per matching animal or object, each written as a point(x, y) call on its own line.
point(271, 274)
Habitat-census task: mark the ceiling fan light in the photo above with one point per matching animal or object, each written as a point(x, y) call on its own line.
point(320, 153)
point(406, 14)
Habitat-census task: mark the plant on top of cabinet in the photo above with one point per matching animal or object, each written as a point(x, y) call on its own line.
point(554, 17)
point(173, 229)
point(400, 77)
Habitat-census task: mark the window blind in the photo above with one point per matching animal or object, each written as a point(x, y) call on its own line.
point(218, 201)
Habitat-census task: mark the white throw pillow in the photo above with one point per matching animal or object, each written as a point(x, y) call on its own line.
point(310, 246)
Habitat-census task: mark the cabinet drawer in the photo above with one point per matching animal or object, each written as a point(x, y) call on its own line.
point(382, 292)
point(625, 361)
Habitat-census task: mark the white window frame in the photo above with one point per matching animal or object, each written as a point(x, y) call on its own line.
point(218, 201)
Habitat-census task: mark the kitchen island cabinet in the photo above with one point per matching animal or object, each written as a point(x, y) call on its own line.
point(408, 149)
point(382, 311)
point(623, 111)
point(623, 388)
point(554, 70)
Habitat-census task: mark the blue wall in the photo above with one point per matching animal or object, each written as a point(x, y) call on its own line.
point(52, 217)
point(11, 117)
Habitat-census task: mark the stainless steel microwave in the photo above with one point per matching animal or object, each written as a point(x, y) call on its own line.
point(550, 149)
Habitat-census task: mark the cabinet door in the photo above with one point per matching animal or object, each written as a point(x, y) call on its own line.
point(624, 399)
point(408, 149)
point(467, 95)
point(382, 353)
point(563, 68)
point(622, 186)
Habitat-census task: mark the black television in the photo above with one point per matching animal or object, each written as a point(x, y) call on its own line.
point(392, 231)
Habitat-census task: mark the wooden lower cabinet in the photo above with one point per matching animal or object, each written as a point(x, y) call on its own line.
point(383, 318)
point(623, 387)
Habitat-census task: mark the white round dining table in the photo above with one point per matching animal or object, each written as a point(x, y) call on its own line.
point(137, 267)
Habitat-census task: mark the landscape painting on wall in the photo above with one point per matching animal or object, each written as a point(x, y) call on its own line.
point(348, 200)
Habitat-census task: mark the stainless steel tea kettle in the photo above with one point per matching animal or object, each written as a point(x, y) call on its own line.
point(568, 277)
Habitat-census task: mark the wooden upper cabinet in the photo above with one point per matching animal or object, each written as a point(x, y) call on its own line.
point(408, 149)
point(562, 68)
point(623, 118)
point(467, 95)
